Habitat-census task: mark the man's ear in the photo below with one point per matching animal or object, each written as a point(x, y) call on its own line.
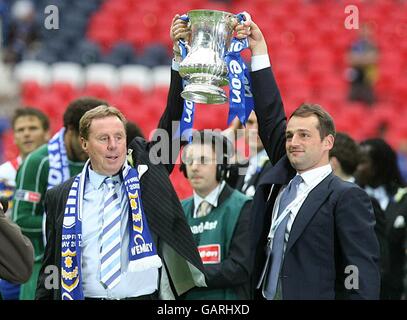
point(84, 144)
point(329, 142)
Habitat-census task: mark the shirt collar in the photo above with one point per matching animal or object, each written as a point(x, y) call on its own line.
point(212, 197)
point(311, 175)
point(97, 179)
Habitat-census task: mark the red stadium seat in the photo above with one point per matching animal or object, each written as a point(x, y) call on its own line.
point(30, 91)
point(65, 90)
point(97, 90)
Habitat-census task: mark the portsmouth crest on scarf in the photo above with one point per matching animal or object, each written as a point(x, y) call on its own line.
point(58, 160)
point(142, 250)
point(71, 288)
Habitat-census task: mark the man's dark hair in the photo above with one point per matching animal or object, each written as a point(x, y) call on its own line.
point(384, 161)
point(77, 108)
point(326, 123)
point(31, 112)
point(132, 131)
point(347, 151)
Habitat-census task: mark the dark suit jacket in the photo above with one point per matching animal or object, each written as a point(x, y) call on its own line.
point(235, 270)
point(395, 234)
point(333, 229)
point(253, 181)
point(182, 263)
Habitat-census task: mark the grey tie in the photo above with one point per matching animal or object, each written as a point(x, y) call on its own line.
point(277, 250)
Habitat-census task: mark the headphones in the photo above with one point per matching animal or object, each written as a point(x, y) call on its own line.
point(217, 140)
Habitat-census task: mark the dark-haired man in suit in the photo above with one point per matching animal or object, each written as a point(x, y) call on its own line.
point(313, 234)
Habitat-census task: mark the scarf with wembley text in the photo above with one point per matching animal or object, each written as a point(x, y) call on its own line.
point(142, 250)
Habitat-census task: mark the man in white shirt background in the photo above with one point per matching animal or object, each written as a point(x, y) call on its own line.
point(30, 130)
point(219, 217)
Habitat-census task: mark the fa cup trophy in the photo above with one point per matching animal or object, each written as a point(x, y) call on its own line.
point(204, 67)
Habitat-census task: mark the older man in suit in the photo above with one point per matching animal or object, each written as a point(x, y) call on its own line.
point(117, 230)
point(313, 234)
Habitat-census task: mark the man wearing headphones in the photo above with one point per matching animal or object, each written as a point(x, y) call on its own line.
point(219, 218)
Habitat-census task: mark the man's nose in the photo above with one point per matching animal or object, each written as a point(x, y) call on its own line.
point(112, 144)
point(194, 165)
point(295, 139)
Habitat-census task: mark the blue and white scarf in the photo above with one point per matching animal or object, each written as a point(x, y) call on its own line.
point(142, 250)
point(241, 100)
point(187, 118)
point(58, 168)
point(58, 160)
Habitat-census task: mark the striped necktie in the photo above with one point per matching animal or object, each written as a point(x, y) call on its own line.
point(203, 209)
point(277, 251)
point(111, 238)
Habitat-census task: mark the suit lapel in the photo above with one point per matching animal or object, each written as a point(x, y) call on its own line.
point(308, 209)
point(281, 173)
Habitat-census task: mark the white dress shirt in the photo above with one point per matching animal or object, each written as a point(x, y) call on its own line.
point(314, 176)
point(256, 162)
point(260, 62)
point(380, 194)
point(132, 284)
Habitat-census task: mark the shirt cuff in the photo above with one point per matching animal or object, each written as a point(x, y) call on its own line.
point(175, 65)
point(260, 62)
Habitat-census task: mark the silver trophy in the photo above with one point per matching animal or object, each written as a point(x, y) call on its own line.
point(204, 67)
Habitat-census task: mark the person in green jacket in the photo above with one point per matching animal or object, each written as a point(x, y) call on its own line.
point(44, 168)
point(219, 218)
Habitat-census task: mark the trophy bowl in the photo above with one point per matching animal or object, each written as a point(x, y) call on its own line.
point(204, 67)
